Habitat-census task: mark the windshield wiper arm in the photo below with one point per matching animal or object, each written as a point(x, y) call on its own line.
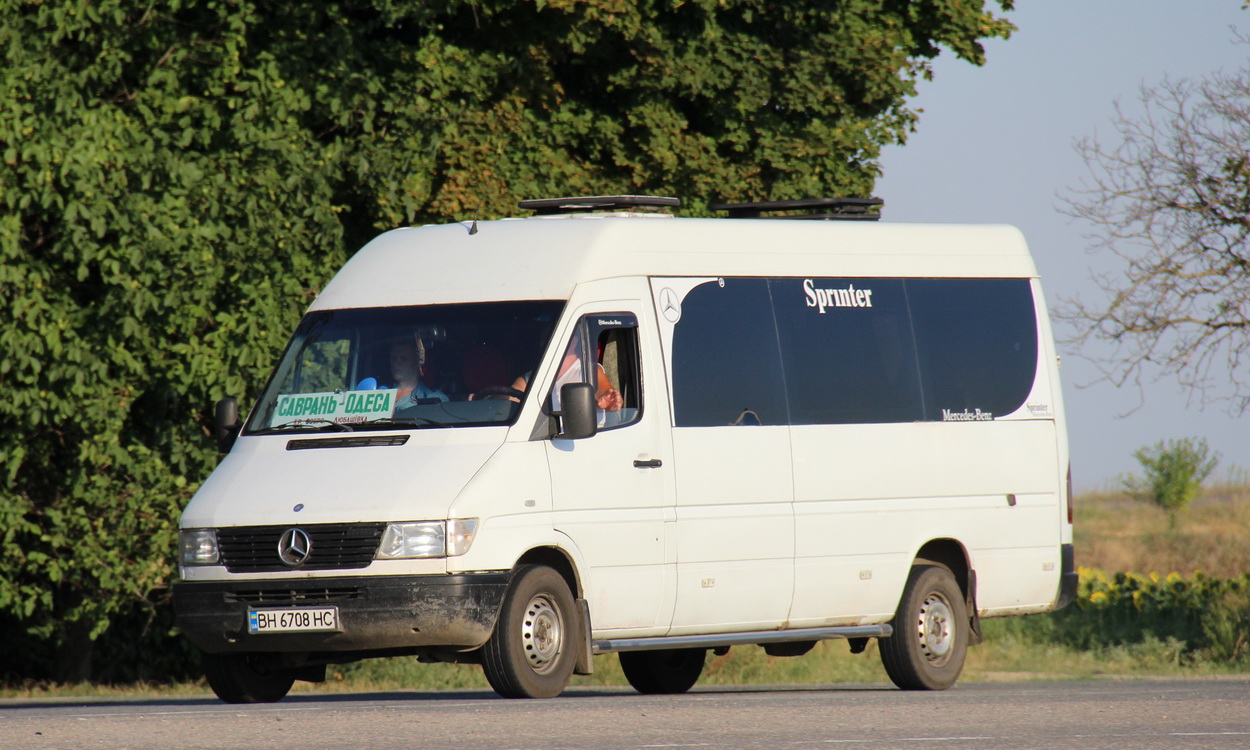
point(305, 424)
point(404, 422)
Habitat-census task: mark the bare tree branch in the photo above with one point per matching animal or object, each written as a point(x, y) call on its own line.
point(1171, 200)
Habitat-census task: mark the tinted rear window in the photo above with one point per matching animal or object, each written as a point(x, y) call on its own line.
point(977, 343)
point(853, 350)
point(726, 365)
point(847, 350)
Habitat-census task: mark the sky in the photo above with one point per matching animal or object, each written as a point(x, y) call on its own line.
point(995, 144)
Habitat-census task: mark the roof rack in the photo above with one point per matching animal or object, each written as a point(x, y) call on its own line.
point(548, 206)
point(843, 209)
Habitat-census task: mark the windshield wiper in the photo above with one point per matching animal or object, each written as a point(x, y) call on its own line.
point(304, 424)
point(402, 422)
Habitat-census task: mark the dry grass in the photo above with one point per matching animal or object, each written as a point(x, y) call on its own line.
point(1117, 533)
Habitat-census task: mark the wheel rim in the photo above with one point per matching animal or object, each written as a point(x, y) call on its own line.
point(542, 632)
point(937, 638)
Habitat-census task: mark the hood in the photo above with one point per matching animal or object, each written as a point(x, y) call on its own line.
point(260, 482)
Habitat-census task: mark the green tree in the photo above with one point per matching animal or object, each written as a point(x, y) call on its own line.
point(1174, 473)
point(179, 177)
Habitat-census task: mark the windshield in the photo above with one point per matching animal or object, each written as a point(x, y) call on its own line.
point(406, 367)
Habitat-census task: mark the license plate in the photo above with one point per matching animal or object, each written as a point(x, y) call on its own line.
point(303, 620)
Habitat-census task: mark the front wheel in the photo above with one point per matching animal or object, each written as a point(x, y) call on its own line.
point(663, 672)
point(930, 640)
point(533, 650)
point(244, 678)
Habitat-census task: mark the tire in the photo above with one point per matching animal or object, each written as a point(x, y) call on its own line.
point(930, 640)
point(243, 678)
point(663, 672)
point(533, 650)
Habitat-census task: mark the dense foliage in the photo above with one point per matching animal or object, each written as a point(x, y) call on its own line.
point(179, 177)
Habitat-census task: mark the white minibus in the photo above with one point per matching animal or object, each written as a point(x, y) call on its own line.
point(603, 428)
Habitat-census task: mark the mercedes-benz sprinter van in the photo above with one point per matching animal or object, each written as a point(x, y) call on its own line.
point(602, 428)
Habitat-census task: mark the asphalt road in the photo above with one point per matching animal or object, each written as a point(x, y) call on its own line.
point(1103, 714)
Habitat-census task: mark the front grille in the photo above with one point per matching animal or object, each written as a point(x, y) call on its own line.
point(294, 596)
point(334, 546)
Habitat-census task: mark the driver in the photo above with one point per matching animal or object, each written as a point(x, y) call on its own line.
point(407, 361)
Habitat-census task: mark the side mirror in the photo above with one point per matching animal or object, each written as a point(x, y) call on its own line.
point(578, 416)
point(226, 423)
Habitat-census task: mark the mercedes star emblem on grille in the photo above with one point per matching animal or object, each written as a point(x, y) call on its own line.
point(294, 547)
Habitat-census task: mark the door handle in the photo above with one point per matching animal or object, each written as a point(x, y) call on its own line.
point(651, 463)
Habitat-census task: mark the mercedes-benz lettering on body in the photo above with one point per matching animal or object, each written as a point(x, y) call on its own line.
point(521, 443)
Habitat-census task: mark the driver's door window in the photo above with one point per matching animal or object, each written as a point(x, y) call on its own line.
point(603, 351)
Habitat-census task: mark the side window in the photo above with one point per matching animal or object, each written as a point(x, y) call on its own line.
point(726, 363)
point(977, 344)
point(603, 351)
point(847, 349)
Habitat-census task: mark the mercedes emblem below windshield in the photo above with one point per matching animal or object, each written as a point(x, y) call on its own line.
point(294, 547)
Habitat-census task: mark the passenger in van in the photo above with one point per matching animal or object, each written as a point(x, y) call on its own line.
point(407, 361)
point(606, 397)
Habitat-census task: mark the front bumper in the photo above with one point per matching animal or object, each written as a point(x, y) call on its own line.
point(454, 612)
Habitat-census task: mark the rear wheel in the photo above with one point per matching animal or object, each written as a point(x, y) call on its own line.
point(533, 649)
point(663, 672)
point(930, 640)
point(245, 678)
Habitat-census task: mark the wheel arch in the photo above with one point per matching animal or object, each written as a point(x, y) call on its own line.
point(557, 559)
point(952, 554)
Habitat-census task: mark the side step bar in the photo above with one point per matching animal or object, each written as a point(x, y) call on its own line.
point(756, 637)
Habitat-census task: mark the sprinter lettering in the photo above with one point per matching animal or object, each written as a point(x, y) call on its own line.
point(848, 297)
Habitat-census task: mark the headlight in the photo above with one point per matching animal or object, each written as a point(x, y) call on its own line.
point(198, 547)
point(427, 539)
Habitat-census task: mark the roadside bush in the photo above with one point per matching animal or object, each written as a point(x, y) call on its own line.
point(1175, 471)
point(1226, 626)
point(140, 646)
point(1209, 617)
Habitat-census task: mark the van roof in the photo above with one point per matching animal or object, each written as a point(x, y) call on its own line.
point(545, 257)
